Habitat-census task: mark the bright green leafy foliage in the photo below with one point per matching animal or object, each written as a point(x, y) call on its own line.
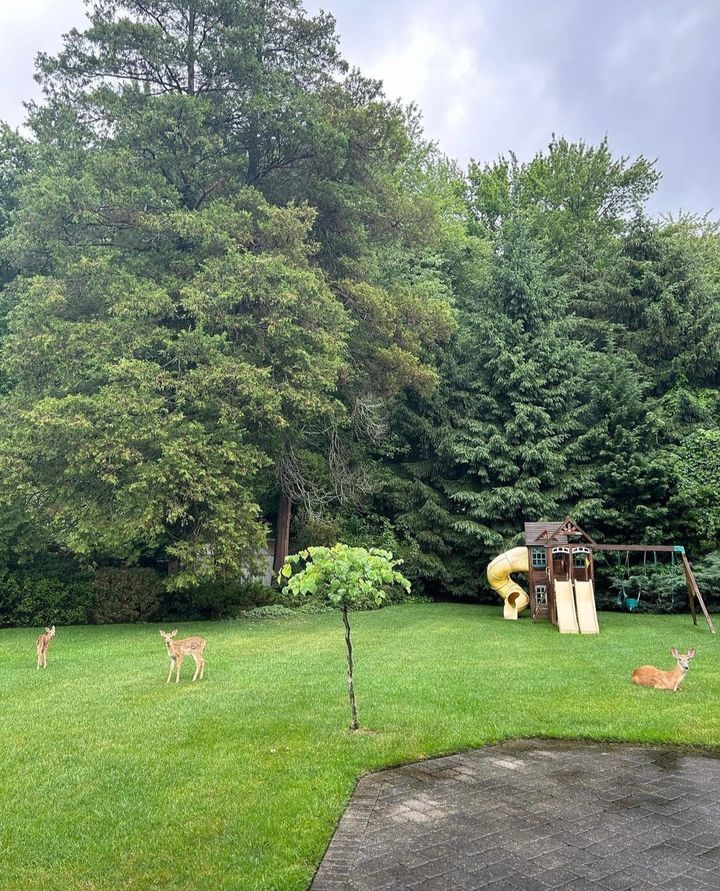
point(344, 576)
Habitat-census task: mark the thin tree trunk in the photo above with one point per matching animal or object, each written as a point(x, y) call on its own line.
point(282, 533)
point(191, 54)
point(253, 149)
point(351, 690)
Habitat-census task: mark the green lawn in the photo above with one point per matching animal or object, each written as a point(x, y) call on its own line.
point(109, 779)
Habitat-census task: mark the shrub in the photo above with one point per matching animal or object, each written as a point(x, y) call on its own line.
point(707, 573)
point(662, 587)
point(278, 611)
point(125, 594)
point(10, 594)
point(30, 598)
point(217, 600)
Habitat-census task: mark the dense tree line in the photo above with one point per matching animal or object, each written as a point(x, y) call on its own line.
point(241, 294)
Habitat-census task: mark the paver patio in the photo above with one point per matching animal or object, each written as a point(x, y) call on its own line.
point(533, 815)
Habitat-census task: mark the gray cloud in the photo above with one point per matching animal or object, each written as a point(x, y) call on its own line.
point(26, 28)
point(503, 75)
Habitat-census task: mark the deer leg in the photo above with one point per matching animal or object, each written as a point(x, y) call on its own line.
point(197, 666)
point(202, 667)
point(178, 663)
point(172, 665)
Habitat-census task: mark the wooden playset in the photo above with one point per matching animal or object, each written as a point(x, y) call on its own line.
point(559, 561)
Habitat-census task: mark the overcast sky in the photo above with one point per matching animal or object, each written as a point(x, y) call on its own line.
point(498, 75)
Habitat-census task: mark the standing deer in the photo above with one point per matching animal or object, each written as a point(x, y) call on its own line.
point(42, 645)
point(649, 676)
point(178, 649)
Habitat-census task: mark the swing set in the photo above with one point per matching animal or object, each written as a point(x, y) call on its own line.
point(630, 601)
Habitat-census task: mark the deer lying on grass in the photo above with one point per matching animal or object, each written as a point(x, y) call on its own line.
point(649, 676)
point(178, 649)
point(42, 645)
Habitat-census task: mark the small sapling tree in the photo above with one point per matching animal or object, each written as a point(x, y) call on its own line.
point(346, 578)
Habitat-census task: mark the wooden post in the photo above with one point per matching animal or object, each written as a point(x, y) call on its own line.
point(691, 595)
point(531, 586)
point(551, 585)
point(694, 591)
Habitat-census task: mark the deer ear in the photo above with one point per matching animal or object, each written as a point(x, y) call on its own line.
point(162, 633)
point(173, 633)
point(674, 651)
point(691, 653)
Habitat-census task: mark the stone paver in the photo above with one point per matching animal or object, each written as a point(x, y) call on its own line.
point(533, 815)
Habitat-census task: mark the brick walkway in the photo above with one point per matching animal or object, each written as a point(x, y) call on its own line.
point(533, 815)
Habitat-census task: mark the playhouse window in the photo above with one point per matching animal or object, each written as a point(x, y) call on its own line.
point(541, 595)
point(579, 560)
point(539, 558)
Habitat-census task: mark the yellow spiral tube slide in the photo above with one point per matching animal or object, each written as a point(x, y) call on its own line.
point(498, 576)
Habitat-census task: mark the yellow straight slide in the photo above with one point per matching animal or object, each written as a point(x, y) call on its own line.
point(565, 606)
point(498, 575)
point(586, 612)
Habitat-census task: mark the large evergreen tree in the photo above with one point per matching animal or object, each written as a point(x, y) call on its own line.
point(542, 409)
point(153, 377)
point(180, 346)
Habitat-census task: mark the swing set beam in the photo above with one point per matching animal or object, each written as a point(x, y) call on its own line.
point(690, 580)
point(663, 549)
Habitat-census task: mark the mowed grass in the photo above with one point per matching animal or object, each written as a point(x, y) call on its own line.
point(109, 779)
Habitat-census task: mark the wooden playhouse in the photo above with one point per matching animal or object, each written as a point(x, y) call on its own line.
point(559, 559)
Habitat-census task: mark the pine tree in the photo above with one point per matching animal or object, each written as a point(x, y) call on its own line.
point(180, 344)
point(536, 416)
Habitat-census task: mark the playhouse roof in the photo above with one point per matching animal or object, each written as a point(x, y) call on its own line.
point(555, 533)
point(539, 533)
